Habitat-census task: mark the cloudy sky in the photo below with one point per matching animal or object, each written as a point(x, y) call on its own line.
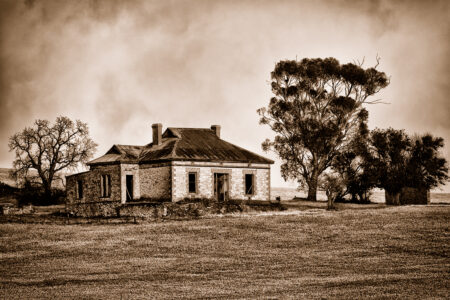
point(122, 65)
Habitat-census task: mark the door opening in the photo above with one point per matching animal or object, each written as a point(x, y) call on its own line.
point(129, 188)
point(221, 186)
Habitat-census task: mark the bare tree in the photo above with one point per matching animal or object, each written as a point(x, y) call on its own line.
point(51, 148)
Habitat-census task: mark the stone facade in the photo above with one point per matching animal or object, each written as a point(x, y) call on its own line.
point(169, 181)
point(205, 174)
point(155, 181)
point(91, 185)
point(133, 170)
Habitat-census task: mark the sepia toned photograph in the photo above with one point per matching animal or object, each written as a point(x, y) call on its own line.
point(224, 149)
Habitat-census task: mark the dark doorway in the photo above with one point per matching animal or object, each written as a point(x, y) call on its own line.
point(249, 184)
point(129, 180)
point(221, 186)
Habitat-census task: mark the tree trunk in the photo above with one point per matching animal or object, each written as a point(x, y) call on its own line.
point(47, 185)
point(330, 203)
point(312, 188)
point(47, 192)
point(392, 198)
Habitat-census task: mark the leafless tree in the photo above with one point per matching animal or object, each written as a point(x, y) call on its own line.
point(51, 148)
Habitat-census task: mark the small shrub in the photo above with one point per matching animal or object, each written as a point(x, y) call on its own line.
point(34, 194)
point(7, 190)
point(58, 196)
point(30, 194)
point(355, 200)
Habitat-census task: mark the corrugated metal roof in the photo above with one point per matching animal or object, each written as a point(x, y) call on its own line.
point(130, 151)
point(107, 158)
point(192, 144)
point(119, 153)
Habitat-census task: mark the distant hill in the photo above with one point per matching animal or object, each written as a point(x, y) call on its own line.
point(5, 177)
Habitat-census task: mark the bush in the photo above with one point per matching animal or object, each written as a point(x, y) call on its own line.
point(7, 190)
point(58, 196)
point(32, 194)
point(95, 209)
point(353, 200)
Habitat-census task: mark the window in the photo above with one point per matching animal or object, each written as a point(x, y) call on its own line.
point(79, 189)
point(192, 182)
point(249, 184)
point(105, 186)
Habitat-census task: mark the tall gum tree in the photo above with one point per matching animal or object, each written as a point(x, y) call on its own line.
point(316, 109)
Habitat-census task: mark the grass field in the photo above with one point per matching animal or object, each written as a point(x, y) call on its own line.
point(379, 252)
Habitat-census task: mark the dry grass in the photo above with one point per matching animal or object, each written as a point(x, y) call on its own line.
point(355, 253)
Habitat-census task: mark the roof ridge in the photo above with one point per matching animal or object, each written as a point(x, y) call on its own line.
point(173, 153)
point(128, 145)
point(196, 128)
point(174, 132)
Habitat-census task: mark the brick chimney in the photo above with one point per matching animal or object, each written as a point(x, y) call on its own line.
point(216, 129)
point(157, 133)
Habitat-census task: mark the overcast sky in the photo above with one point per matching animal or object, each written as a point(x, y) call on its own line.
point(122, 65)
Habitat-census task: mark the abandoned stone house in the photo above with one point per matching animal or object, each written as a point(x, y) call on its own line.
point(180, 163)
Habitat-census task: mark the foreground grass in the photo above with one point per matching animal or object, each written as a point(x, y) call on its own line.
point(388, 252)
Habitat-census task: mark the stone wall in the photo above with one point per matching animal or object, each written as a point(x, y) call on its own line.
point(168, 181)
point(180, 182)
point(262, 185)
point(95, 209)
point(414, 196)
point(155, 181)
point(193, 209)
point(91, 182)
point(205, 177)
point(152, 211)
point(408, 195)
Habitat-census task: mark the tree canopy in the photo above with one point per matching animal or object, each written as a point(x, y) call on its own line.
point(354, 170)
point(316, 109)
point(51, 148)
point(399, 161)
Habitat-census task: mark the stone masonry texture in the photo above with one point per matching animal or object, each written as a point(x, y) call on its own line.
point(155, 182)
point(169, 181)
point(91, 185)
point(206, 180)
point(133, 170)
